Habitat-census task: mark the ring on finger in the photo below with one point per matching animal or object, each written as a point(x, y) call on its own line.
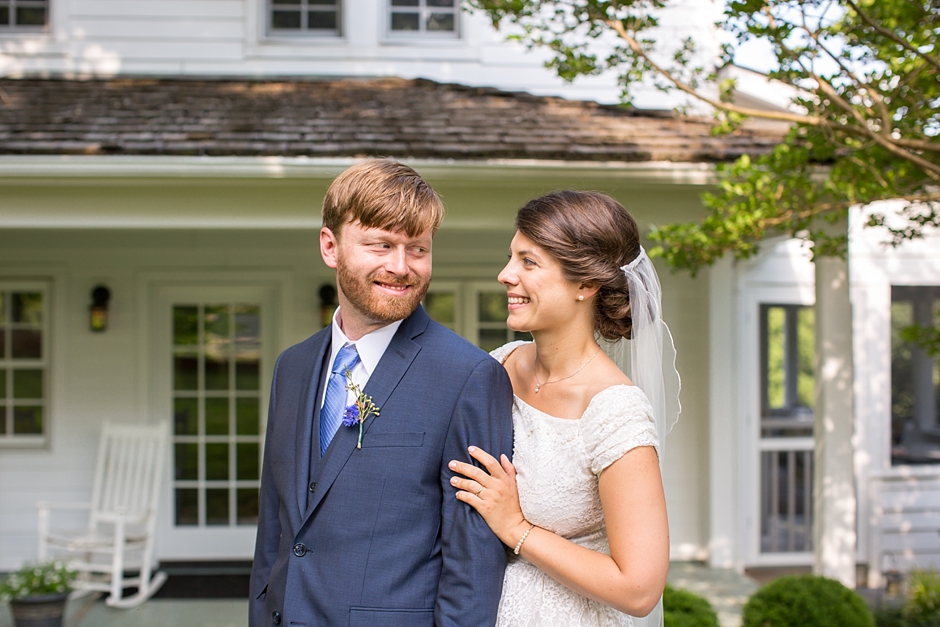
point(477, 493)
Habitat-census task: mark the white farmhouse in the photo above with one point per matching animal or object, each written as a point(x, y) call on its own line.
point(176, 152)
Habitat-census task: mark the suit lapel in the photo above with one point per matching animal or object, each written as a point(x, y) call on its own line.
point(307, 437)
point(398, 357)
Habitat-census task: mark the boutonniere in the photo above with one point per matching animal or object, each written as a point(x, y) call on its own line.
point(360, 410)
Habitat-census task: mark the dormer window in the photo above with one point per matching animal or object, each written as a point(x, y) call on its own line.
point(423, 18)
point(24, 15)
point(303, 17)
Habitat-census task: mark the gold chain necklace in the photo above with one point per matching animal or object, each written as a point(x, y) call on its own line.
point(535, 369)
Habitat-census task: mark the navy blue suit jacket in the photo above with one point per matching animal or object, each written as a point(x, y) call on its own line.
point(375, 536)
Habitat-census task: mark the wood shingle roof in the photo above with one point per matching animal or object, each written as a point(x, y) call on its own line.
point(349, 117)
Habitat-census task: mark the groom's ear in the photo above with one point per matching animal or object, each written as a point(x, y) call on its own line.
point(329, 245)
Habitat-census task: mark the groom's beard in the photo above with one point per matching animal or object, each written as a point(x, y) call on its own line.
point(361, 294)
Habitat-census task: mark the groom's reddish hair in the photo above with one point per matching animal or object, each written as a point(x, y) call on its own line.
point(382, 194)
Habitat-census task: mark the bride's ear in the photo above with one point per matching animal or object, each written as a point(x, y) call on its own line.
point(587, 290)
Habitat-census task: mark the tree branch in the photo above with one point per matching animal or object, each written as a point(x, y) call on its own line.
point(723, 106)
point(892, 35)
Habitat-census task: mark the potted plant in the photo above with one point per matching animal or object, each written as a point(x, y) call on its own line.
point(37, 593)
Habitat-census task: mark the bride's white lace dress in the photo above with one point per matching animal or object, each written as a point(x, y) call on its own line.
point(558, 462)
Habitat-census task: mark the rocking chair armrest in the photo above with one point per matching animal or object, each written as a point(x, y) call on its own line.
point(47, 505)
point(124, 516)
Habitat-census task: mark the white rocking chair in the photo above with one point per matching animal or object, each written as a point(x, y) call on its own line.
point(120, 531)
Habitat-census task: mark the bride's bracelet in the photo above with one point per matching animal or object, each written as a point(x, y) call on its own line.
point(522, 539)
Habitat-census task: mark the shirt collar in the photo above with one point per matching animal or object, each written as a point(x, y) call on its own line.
point(370, 347)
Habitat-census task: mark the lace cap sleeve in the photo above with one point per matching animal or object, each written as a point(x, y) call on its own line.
point(503, 352)
point(617, 421)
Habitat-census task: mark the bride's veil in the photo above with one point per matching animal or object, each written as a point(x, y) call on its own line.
point(650, 362)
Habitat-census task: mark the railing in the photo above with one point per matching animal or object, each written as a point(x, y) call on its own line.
point(786, 467)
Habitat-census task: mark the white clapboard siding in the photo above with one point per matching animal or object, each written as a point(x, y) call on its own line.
point(160, 28)
point(905, 523)
point(172, 9)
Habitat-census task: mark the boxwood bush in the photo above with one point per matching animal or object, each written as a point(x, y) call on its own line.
point(682, 608)
point(806, 601)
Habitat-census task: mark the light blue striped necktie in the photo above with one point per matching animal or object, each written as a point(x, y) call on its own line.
point(334, 405)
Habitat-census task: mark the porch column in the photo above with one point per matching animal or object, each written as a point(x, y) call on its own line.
point(833, 477)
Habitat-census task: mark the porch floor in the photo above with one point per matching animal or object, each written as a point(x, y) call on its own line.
point(725, 589)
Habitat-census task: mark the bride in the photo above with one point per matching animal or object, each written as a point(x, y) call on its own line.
point(581, 506)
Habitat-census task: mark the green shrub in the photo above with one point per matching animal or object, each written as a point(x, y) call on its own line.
point(682, 608)
point(890, 616)
point(806, 601)
point(922, 608)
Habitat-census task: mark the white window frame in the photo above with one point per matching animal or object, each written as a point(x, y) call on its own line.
point(422, 10)
point(303, 32)
point(10, 439)
point(29, 28)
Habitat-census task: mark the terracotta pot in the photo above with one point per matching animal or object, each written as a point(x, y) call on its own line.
point(39, 611)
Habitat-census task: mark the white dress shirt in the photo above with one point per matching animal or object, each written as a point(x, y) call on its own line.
point(370, 347)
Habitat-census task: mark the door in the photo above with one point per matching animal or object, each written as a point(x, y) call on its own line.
point(211, 357)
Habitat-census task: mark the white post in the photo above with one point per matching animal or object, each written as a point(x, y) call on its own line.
point(834, 503)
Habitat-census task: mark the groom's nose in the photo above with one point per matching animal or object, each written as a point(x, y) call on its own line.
point(396, 262)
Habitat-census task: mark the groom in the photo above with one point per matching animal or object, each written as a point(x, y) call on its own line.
point(358, 522)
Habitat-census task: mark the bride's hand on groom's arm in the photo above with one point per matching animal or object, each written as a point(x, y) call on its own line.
point(492, 492)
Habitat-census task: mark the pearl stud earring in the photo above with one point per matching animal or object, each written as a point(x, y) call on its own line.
point(580, 296)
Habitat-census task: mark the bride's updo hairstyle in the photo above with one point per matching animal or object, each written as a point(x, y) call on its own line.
point(592, 236)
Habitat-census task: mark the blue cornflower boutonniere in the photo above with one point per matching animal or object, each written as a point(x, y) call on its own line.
point(360, 410)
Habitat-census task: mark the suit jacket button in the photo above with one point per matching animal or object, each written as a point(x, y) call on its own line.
point(300, 550)
point(313, 486)
point(276, 617)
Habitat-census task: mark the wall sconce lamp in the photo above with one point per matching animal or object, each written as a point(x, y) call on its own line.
point(327, 304)
point(99, 308)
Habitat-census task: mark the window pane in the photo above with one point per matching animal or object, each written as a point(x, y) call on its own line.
point(441, 3)
point(185, 369)
point(440, 22)
point(321, 20)
point(491, 338)
point(216, 373)
point(217, 461)
point(187, 506)
point(3, 311)
point(247, 506)
point(246, 374)
point(187, 461)
point(216, 416)
point(442, 307)
point(185, 416)
point(3, 384)
point(246, 416)
point(4, 16)
point(806, 349)
point(3, 420)
point(217, 325)
point(776, 354)
point(217, 507)
point(493, 307)
point(27, 420)
point(285, 19)
point(521, 335)
point(915, 438)
point(27, 307)
point(185, 326)
point(405, 21)
point(247, 323)
point(30, 16)
point(290, 2)
point(3, 343)
point(26, 344)
point(27, 384)
point(405, 3)
point(246, 456)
